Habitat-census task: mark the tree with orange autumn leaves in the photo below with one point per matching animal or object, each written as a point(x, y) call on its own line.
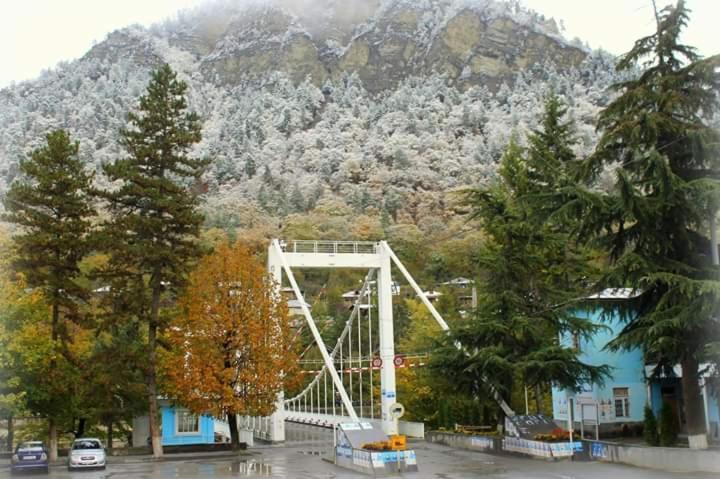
point(231, 345)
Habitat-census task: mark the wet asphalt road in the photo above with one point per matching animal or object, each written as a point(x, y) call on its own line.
point(302, 457)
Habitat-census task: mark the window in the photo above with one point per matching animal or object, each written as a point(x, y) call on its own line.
point(621, 398)
point(86, 444)
point(576, 342)
point(187, 422)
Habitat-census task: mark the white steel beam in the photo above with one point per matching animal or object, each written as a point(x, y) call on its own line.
point(277, 419)
point(415, 286)
point(498, 398)
point(387, 343)
point(332, 260)
point(315, 332)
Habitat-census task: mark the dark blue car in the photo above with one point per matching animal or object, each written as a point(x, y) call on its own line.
point(30, 456)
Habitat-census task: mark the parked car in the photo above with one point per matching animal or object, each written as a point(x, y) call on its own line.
point(29, 456)
point(86, 452)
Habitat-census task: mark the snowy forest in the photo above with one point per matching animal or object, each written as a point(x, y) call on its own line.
point(279, 146)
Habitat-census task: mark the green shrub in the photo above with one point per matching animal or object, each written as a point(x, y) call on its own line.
point(668, 425)
point(650, 428)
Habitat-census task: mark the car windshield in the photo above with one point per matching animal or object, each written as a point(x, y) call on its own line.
point(86, 444)
point(30, 445)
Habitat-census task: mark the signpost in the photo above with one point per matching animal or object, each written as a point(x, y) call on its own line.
point(396, 412)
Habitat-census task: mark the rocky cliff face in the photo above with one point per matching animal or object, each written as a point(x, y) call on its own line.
point(382, 105)
point(383, 41)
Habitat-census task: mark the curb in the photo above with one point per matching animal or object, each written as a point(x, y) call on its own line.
point(140, 459)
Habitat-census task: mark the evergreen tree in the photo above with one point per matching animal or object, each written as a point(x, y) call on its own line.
point(654, 222)
point(52, 205)
point(526, 289)
point(650, 427)
point(250, 167)
point(297, 201)
point(153, 233)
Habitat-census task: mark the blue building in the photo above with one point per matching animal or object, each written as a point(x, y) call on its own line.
point(619, 404)
point(179, 427)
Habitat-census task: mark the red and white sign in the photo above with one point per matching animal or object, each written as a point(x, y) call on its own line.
point(398, 361)
point(377, 362)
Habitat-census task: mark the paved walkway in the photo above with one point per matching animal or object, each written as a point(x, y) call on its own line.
point(304, 457)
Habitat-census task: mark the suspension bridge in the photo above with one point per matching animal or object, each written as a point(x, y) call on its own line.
point(354, 381)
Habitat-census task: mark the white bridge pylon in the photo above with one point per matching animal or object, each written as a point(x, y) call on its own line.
point(377, 258)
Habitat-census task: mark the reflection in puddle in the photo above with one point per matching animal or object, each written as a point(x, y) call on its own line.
point(251, 468)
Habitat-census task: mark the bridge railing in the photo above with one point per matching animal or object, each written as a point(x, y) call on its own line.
point(330, 247)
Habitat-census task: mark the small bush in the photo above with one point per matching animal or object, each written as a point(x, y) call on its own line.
point(650, 428)
point(668, 425)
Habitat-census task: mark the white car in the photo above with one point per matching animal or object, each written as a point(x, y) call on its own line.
point(85, 453)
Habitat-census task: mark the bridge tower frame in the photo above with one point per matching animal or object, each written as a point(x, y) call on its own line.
point(375, 257)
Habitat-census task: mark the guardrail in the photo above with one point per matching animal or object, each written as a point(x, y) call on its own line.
point(329, 247)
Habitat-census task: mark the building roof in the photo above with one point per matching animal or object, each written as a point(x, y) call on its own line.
point(432, 294)
point(616, 293)
point(458, 282)
point(296, 304)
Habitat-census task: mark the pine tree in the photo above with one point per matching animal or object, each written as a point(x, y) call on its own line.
point(526, 286)
point(297, 200)
point(250, 167)
point(52, 205)
point(650, 427)
point(654, 223)
point(153, 233)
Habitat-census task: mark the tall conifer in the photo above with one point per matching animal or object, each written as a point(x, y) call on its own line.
point(155, 220)
point(52, 205)
point(655, 221)
point(530, 274)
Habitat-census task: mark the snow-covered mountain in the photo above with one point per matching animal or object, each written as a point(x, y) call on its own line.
point(385, 104)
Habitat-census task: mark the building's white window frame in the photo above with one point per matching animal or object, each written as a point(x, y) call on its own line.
point(621, 395)
point(179, 415)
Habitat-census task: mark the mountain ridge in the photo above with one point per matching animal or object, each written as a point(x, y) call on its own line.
point(391, 121)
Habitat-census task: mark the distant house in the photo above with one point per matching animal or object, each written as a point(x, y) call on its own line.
point(432, 296)
point(350, 297)
point(459, 283)
point(620, 403)
point(465, 291)
point(179, 426)
point(295, 307)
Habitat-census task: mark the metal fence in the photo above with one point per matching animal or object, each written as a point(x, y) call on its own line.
point(330, 247)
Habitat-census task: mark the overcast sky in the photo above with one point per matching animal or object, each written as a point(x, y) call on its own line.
point(37, 34)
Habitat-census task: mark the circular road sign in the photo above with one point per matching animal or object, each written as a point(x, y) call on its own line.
point(398, 361)
point(377, 362)
point(397, 410)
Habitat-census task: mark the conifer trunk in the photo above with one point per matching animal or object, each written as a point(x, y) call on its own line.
point(81, 427)
point(234, 433)
point(693, 404)
point(109, 434)
point(52, 426)
point(157, 449)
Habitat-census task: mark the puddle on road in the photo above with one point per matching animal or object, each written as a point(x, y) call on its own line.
point(236, 468)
